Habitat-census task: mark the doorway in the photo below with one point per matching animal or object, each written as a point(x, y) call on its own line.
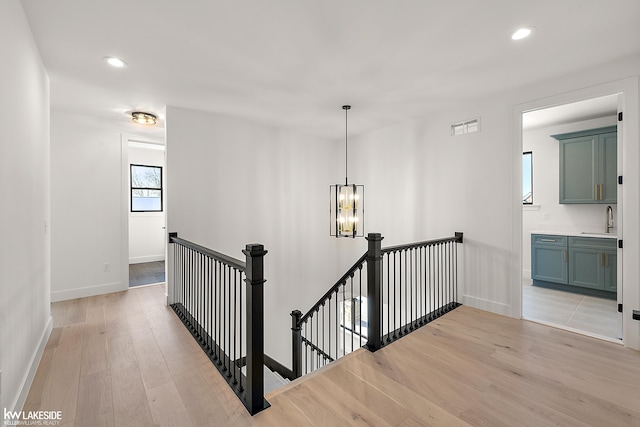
point(146, 213)
point(559, 234)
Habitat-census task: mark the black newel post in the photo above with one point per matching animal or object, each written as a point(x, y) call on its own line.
point(374, 291)
point(296, 343)
point(255, 331)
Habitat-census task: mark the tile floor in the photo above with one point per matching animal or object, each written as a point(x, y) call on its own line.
point(593, 315)
point(146, 273)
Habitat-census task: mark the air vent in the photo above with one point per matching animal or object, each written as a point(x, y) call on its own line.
point(467, 126)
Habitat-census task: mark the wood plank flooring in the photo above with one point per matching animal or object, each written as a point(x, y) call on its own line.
point(124, 359)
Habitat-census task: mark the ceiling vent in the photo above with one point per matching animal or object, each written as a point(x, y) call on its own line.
point(467, 126)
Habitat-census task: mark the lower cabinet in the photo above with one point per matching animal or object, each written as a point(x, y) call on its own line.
point(593, 263)
point(549, 258)
point(587, 262)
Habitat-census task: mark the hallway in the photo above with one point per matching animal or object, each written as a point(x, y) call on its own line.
point(124, 359)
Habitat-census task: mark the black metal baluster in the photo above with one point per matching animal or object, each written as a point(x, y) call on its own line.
point(439, 278)
point(241, 329)
point(456, 274)
point(411, 289)
point(235, 319)
point(389, 299)
point(219, 312)
point(344, 322)
point(210, 300)
point(404, 325)
point(317, 337)
point(430, 285)
point(227, 318)
point(323, 332)
point(360, 308)
point(329, 339)
point(337, 327)
point(353, 313)
point(306, 345)
point(395, 307)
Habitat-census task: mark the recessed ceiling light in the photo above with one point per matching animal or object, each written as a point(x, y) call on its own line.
point(144, 118)
point(522, 33)
point(115, 62)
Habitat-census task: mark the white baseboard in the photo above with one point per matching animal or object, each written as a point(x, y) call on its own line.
point(148, 258)
point(25, 386)
point(88, 291)
point(483, 304)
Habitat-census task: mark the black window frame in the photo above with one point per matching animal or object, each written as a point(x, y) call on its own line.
point(132, 188)
point(531, 162)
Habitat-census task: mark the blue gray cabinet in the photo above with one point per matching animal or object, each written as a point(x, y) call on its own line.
point(549, 258)
point(586, 262)
point(592, 263)
point(588, 166)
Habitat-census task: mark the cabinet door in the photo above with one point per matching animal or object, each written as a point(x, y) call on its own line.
point(611, 270)
point(586, 267)
point(608, 164)
point(549, 263)
point(578, 173)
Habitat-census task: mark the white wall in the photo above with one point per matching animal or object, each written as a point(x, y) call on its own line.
point(146, 229)
point(231, 182)
point(547, 214)
point(25, 315)
point(88, 205)
point(472, 183)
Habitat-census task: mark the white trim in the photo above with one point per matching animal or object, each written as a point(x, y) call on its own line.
point(90, 291)
point(146, 258)
point(124, 207)
point(530, 207)
point(25, 386)
point(628, 208)
point(487, 305)
point(576, 331)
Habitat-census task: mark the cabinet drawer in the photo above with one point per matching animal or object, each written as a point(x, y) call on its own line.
point(548, 239)
point(592, 242)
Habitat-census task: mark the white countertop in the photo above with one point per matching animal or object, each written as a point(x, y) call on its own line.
point(577, 234)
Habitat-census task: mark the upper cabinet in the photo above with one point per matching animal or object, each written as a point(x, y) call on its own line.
point(588, 166)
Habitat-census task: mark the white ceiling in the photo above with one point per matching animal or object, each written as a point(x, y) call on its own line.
point(604, 106)
point(294, 63)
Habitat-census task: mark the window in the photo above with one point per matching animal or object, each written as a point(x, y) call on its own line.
point(146, 188)
point(527, 178)
point(467, 126)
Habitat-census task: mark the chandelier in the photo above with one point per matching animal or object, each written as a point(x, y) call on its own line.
point(346, 201)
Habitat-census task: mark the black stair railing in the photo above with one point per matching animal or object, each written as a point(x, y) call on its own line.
point(221, 302)
point(401, 289)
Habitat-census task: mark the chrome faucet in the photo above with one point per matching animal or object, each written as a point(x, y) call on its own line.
point(609, 220)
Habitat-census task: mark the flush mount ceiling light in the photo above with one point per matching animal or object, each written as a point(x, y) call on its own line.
point(115, 62)
point(522, 33)
point(346, 201)
point(143, 118)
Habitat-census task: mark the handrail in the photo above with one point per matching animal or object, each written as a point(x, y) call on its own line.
point(230, 261)
point(340, 281)
point(317, 349)
point(421, 244)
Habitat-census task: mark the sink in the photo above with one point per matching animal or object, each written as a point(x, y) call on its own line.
point(599, 234)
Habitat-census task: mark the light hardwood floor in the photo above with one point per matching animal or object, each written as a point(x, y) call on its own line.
point(125, 360)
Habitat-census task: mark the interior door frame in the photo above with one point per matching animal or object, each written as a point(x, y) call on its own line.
point(125, 139)
point(628, 205)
